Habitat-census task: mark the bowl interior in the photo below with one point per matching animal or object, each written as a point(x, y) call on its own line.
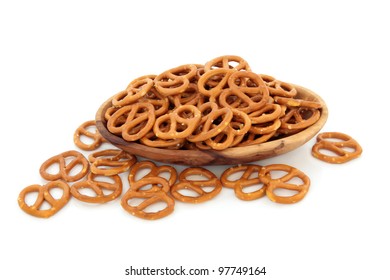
point(235, 155)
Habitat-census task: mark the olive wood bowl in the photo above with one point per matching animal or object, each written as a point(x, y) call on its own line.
point(235, 155)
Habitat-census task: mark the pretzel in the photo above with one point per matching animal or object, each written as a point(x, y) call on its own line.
point(279, 88)
point(293, 102)
point(271, 184)
point(82, 130)
point(196, 185)
point(140, 118)
point(97, 187)
point(268, 113)
point(111, 162)
point(247, 169)
point(176, 80)
point(188, 116)
point(220, 76)
point(150, 198)
point(299, 118)
point(225, 62)
point(342, 155)
point(151, 140)
point(159, 102)
point(65, 168)
point(205, 129)
point(252, 93)
point(155, 171)
point(134, 91)
point(44, 195)
point(252, 138)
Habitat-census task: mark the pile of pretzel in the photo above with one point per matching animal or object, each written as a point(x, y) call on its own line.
point(217, 105)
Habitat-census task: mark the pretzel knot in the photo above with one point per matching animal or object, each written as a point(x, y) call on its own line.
point(154, 171)
point(139, 119)
point(227, 62)
point(44, 195)
point(339, 148)
point(176, 80)
point(98, 188)
point(180, 123)
point(149, 199)
point(271, 184)
point(111, 162)
point(82, 130)
point(134, 91)
point(65, 168)
point(196, 186)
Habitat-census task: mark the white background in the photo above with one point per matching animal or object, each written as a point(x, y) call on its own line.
point(60, 60)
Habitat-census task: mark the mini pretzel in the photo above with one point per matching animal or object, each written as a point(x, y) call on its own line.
point(65, 168)
point(292, 102)
point(111, 162)
point(155, 171)
point(150, 198)
point(176, 80)
point(97, 187)
point(196, 185)
point(248, 170)
point(82, 130)
point(279, 88)
point(299, 118)
point(176, 119)
point(139, 121)
point(225, 62)
point(342, 155)
point(220, 75)
point(271, 184)
point(134, 91)
point(205, 129)
point(44, 195)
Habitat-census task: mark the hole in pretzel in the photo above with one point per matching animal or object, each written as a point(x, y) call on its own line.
point(284, 192)
point(76, 169)
point(30, 198)
point(188, 192)
point(57, 193)
point(156, 207)
point(87, 192)
point(45, 206)
point(252, 188)
point(53, 169)
point(86, 140)
point(135, 201)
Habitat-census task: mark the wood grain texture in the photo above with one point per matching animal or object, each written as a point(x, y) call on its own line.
point(235, 155)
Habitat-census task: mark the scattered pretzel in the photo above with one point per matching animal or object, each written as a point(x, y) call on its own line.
point(149, 198)
point(65, 169)
point(271, 184)
point(196, 185)
point(337, 147)
point(111, 162)
point(82, 130)
point(44, 195)
point(97, 187)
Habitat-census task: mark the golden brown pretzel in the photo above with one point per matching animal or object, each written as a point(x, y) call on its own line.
point(337, 147)
point(205, 128)
point(176, 80)
point(111, 162)
point(182, 122)
point(134, 91)
point(279, 88)
point(140, 118)
point(227, 62)
point(299, 118)
point(196, 185)
point(65, 168)
point(82, 130)
point(44, 195)
point(294, 102)
point(149, 199)
point(245, 178)
point(220, 78)
point(155, 171)
point(271, 184)
point(97, 187)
